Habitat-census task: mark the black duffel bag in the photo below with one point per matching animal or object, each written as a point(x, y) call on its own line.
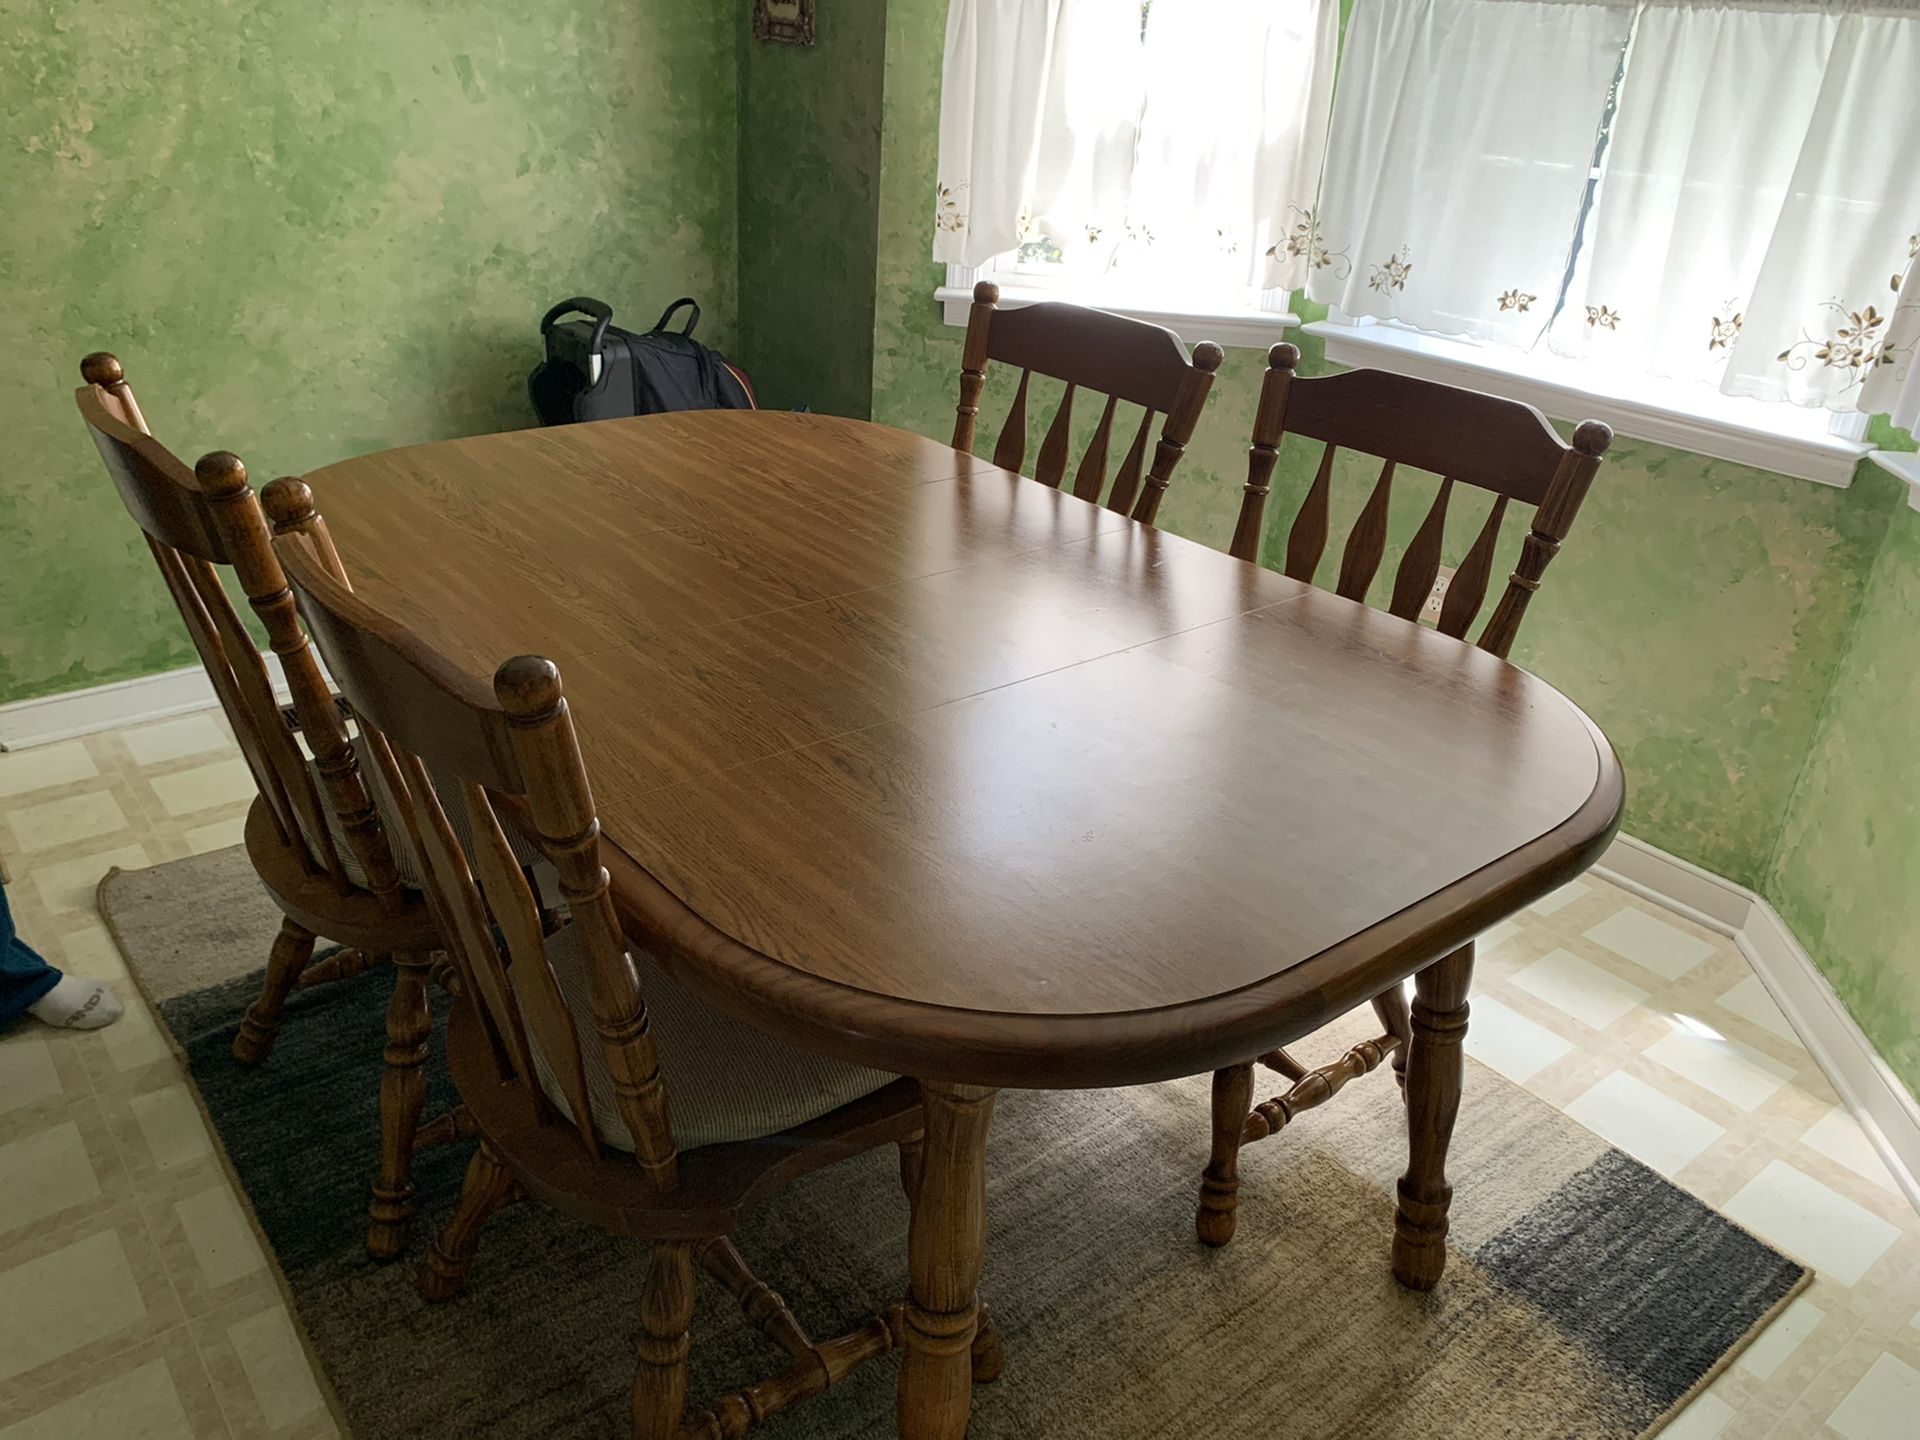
point(594, 370)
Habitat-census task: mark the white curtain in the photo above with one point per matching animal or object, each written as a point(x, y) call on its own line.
point(1894, 386)
point(1830, 322)
point(1231, 138)
point(1039, 120)
point(1715, 103)
point(1461, 150)
point(1183, 153)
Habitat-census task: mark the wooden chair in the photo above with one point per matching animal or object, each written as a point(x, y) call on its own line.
point(1467, 438)
point(595, 1083)
point(1124, 359)
point(328, 864)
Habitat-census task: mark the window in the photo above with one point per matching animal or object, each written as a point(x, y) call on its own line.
point(1153, 158)
point(1686, 207)
point(1721, 196)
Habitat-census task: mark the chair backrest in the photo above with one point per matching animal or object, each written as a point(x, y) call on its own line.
point(1123, 359)
point(197, 522)
point(421, 717)
point(1463, 436)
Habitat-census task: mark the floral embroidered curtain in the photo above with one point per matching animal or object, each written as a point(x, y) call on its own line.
point(1715, 101)
point(1831, 322)
point(1742, 176)
point(1463, 140)
point(1179, 141)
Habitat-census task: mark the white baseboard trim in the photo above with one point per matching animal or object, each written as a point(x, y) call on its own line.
point(1885, 1108)
point(41, 721)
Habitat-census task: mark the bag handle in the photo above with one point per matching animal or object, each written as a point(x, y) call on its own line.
point(600, 312)
point(685, 301)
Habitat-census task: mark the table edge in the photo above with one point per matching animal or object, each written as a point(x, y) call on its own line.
point(1055, 1051)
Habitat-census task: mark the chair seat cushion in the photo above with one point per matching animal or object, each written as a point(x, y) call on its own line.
point(725, 1080)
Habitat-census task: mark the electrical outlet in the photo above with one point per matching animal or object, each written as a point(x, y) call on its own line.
point(1431, 610)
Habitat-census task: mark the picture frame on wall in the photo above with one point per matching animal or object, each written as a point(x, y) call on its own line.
point(785, 22)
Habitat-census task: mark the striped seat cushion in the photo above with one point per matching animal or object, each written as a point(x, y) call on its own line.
point(725, 1081)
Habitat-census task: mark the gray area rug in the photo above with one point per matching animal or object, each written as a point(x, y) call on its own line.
point(1586, 1296)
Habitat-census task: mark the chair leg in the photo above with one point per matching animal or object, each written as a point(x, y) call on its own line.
point(489, 1186)
point(989, 1357)
point(1220, 1186)
point(910, 1149)
point(403, 1090)
point(1434, 1076)
point(292, 949)
point(1391, 1007)
point(660, 1368)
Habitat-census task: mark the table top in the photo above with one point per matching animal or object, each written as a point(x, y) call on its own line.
point(931, 766)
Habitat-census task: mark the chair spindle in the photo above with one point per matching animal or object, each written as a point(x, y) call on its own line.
point(1307, 541)
point(1469, 585)
point(1052, 466)
point(1420, 566)
point(1360, 562)
point(1010, 450)
point(1126, 485)
point(1091, 478)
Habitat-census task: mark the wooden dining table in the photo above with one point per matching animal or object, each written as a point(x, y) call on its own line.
point(924, 765)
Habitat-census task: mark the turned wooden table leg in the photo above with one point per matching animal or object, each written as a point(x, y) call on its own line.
point(1434, 1073)
point(403, 1090)
point(292, 949)
point(945, 1248)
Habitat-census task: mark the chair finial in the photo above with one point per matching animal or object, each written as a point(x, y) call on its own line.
point(220, 472)
point(986, 293)
point(1208, 356)
point(1283, 356)
point(1591, 437)
point(288, 503)
point(103, 368)
point(527, 687)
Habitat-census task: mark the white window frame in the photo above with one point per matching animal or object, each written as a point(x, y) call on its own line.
point(1904, 464)
point(1818, 445)
point(1250, 325)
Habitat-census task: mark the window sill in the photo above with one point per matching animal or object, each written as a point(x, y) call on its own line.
point(1906, 466)
point(1724, 428)
point(1248, 327)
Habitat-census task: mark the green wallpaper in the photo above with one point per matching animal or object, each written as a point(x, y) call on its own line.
point(312, 231)
point(809, 159)
point(1847, 873)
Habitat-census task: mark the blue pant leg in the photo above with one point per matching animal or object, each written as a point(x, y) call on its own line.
point(24, 976)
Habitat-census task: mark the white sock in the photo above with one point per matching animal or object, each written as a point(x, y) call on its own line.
point(77, 1004)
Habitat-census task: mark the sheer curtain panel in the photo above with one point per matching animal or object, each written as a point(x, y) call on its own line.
point(1231, 138)
point(1039, 120)
point(1716, 101)
point(1462, 146)
point(1831, 321)
point(1176, 146)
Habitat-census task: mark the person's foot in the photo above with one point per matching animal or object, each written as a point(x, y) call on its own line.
point(77, 1004)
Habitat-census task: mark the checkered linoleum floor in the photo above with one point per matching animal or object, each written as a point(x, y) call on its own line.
point(135, 1303)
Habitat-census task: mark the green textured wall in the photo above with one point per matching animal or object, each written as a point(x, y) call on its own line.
point(809, 163)
point(312, 231)
point(1847, 874)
